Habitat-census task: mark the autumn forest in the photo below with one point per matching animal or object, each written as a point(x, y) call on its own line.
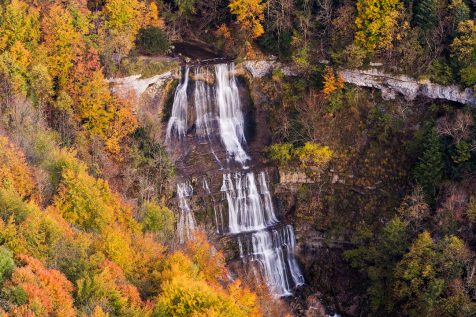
point(237, 158)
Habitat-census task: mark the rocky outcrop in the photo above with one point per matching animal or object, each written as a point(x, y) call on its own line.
point(390, 85)
point(263, 68)
point(138, 85)
point(408, 87)
point(293, 177)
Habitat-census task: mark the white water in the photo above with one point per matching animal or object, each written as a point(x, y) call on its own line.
point(248, 208)
point(268, 249)
point(274, 251)
point(251, 214)
point(203, 103)
point(177, 125)
point(186, 224)
point(230, 116)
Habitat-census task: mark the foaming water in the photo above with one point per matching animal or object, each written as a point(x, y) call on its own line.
point(230, 116)
point(177, 125)
point(274, 251)
point(186, 224)
point(248, 208)
point(203, 107)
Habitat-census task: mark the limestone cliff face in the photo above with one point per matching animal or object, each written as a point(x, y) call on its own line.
point(137, 84)
point(408, 87)
point(389, 84)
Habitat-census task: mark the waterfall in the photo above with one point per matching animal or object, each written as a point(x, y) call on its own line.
point(274, 251)
point(250, 215)
point(177, 126)
point(248, 209)
point(186, 224)
point(202, 104)
point(230, 116)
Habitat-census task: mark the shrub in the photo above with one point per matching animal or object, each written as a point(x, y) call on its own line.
point(313, 154)
point(152, 41)
point(281, 152)
point(6, 264)
point(159, 220)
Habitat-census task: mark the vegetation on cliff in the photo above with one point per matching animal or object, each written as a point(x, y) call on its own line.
point(84, 179)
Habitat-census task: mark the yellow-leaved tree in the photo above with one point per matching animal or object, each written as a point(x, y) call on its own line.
point(378, 23)
point(249, 14)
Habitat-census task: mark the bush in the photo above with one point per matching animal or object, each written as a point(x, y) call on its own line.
point(313, 154)
point(6, 264)
point(152, 41)
point(159, 220)
point(281, 152)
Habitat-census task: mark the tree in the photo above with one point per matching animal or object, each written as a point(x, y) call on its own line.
point(152, 40)
point(314, 155)
point(6, 264)
point(14, 172)
point(185, 293)
point(378, 23)
point(48, 292)
point(417, 281)
point(152, 18)
point(427, 275)
point(429, 171)
point(281, 152)
point(107, 286)
point(378, 256)
point(426, 13)
point(459, 11)
point(158, 220)
point(119, 30)
point(62, 43)
point(331, 82)
point(19, 23)
point(186, 8)
point(463, 51)
point(249, 15)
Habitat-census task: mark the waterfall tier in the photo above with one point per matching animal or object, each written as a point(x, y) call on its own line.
point(245, 209)
point(217, 108)
point(249, 209)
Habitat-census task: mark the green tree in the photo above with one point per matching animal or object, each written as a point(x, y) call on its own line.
point(417, 283)
point(281, 152)
point(6, 264)
point(429, 171)
point(463, 50)
point(159, 220)
point(426, 13)
point(377, 256)
point(427, 275)
point(152, 41)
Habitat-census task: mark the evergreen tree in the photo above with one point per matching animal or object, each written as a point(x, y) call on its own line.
point(425, 13)
point(429, 171)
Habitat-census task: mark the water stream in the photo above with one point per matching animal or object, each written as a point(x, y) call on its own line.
point(249, 216)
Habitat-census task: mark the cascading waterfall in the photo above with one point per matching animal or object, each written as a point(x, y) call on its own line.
point(248, 208)
point(186, 224)
point(273, 250)
point(204, 115)
point(177, 126)
point(251, 216)
point(230, 116)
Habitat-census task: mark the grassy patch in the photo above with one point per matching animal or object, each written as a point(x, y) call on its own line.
point(146, 66)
